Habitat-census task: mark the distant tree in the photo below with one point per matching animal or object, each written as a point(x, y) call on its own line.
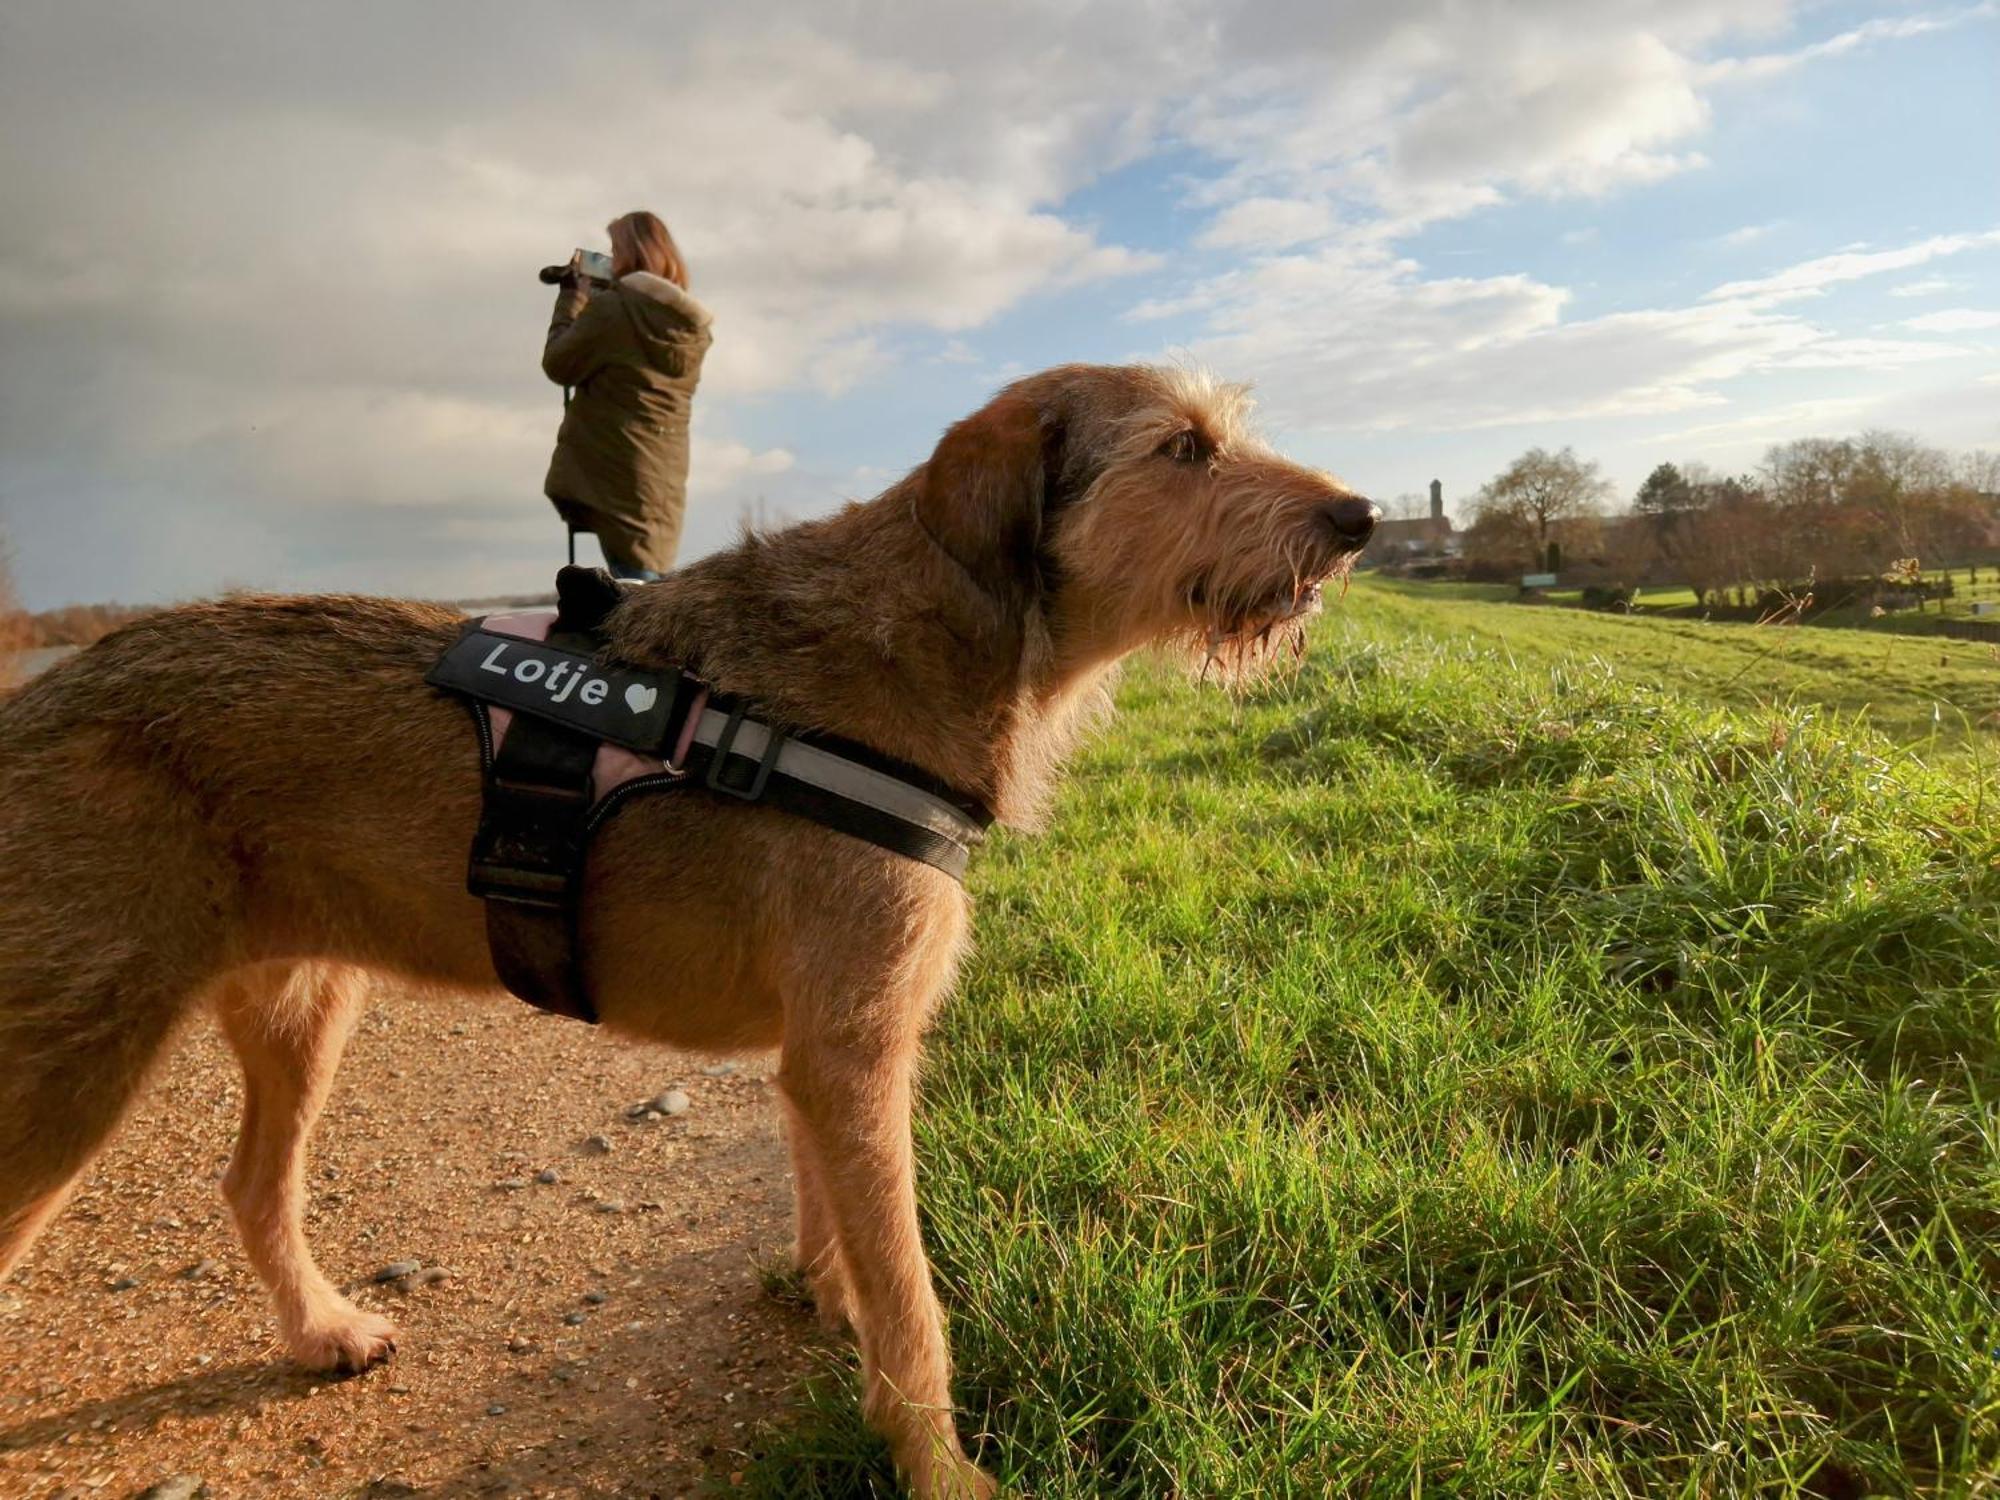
point(1729, 535)
point(1809, 472)
point(1816, 509)
point(1544, 491)
point(1500, 544)
point(1665, 493)
point(1978, 471)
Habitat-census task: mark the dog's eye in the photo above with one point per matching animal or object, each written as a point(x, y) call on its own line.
point(1183, 447)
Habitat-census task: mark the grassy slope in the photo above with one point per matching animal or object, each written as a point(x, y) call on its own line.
point(1488, 1077)
point(1913, 689)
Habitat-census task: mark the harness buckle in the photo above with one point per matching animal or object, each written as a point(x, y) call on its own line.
point(528, 839)
point(773, 743)
point(491, 881)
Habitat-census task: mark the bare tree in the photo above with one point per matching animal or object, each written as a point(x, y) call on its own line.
point(1544, 492)
point(1979, 471)
point(1808, 472)
point(1500, 543)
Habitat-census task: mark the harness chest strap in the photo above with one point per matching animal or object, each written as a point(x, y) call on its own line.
point(567, 741)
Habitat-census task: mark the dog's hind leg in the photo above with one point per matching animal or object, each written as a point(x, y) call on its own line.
point(288, 1026)
point(69, 1067)
point(115, 906)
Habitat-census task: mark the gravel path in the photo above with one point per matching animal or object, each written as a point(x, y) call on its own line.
point(576, 1321)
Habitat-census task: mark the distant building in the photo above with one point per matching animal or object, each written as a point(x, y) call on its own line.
point(1430, 538)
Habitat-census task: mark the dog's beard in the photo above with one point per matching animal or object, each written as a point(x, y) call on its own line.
point(1238, 635)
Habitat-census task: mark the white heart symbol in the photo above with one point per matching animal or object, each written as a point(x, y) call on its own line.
point(639, 697)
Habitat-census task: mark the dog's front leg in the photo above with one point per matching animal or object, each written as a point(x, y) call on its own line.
point(288, 1030)
point(849, 1096)
point(817, 1252)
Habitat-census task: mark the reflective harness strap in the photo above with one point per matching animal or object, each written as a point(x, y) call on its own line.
point(550, 785)
point(739, 756)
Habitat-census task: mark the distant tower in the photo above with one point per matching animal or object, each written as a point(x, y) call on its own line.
point(1437, 499)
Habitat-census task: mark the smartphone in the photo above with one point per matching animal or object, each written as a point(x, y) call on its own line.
point(596, 265)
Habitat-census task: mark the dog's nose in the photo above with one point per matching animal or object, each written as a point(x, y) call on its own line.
point(1352, 519)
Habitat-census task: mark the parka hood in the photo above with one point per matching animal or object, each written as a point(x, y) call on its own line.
point(667, 294)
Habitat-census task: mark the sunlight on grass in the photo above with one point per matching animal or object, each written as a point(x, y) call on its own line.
point(1475, 1067)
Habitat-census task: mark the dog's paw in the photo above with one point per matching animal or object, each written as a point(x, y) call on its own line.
point(833, 1303)
point(345, 1343)
point(953, 1479)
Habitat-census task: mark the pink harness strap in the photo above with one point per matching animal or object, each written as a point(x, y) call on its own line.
point(615, 765)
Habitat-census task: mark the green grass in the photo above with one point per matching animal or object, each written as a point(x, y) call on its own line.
point(1468, 1069)
point(1943, 695)
point(1985, 587)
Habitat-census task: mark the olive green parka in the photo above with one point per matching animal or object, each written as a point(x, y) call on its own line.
point(632, 352)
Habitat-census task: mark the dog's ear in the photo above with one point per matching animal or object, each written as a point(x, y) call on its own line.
point(987, 493)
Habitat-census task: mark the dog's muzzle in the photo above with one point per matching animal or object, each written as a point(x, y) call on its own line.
point(1349, 521)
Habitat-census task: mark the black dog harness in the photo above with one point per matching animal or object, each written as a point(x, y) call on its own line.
point(567, 739)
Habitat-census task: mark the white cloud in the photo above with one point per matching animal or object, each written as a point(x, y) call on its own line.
point(1929, 286)
point(1957, 320)
point(1848, 353)
point(1954, 414)
point(1358, 340)
point(1268, 223)
point(1404, 115)
point(1580, 119)
point(1771, 425)
point(293, 262)
point(1812, 277)
point(1886, 28)
point(1749, 234)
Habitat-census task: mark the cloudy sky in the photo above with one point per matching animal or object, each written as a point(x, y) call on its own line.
point(268, 313)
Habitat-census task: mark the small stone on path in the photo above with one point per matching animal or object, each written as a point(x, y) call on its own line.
point(599, 1145)
point(396, 1270)
point(548, 1175)
point(672, 1102)
point(180, 1487)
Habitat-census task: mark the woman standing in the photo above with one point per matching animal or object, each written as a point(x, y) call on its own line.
point(632, 352)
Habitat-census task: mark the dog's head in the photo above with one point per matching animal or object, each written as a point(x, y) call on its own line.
point(1132, 504)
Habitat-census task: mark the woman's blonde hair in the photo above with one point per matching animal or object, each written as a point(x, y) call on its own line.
point(642, 239)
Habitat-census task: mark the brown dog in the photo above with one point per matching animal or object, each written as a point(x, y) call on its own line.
point(255, 802)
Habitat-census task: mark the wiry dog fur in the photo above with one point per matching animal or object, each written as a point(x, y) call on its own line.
point(255, 803)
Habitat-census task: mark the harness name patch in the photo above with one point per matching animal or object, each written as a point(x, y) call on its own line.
point(630, 708)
